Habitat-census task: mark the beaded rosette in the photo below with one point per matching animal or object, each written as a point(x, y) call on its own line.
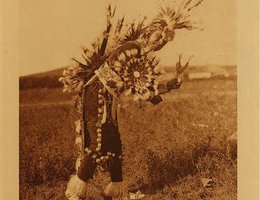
point(138, 75)
point(124, 63)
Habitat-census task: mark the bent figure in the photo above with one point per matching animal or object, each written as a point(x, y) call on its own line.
point(97, 121)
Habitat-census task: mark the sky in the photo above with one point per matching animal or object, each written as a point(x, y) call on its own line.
point(53, 31)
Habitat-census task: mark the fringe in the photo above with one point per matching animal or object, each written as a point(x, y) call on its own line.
point(116, 190)
point(76, 188)
point(77, 164)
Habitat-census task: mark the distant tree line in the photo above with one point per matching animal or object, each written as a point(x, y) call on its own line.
point(36, 82)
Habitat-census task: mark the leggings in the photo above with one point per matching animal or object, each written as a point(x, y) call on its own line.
point(110, 142)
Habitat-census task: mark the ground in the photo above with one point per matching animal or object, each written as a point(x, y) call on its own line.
point(168, 148)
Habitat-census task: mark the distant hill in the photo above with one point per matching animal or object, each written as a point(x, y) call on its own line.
point(50, 79)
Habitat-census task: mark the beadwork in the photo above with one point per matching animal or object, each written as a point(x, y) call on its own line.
point(128, 66)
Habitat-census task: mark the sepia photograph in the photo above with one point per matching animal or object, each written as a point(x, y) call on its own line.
point(122, 100)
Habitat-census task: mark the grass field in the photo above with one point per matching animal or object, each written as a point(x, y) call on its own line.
point(168, 148)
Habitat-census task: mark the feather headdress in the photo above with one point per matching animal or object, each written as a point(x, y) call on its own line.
point(177, 17)
point(148, 37)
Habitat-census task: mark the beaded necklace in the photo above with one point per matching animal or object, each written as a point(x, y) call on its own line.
point(104, 101)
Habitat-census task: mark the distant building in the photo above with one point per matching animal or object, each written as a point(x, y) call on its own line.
point(226, 74)
point(199, 75)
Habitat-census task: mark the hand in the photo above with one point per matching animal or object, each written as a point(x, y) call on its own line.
point(156, 99)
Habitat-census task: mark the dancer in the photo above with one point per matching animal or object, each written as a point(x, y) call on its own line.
point(123, 65)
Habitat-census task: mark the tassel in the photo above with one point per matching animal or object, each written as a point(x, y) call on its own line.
point(76, 188)
point(77, 164)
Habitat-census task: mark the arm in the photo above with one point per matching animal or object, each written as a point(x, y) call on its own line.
point(173, 84)
point(165, 87)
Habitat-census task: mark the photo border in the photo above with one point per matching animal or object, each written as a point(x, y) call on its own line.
point(248, 99)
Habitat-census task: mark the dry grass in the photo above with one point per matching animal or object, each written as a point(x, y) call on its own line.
point(167, 147)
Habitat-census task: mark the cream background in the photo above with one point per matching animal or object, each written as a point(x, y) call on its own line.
point(248, 99)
